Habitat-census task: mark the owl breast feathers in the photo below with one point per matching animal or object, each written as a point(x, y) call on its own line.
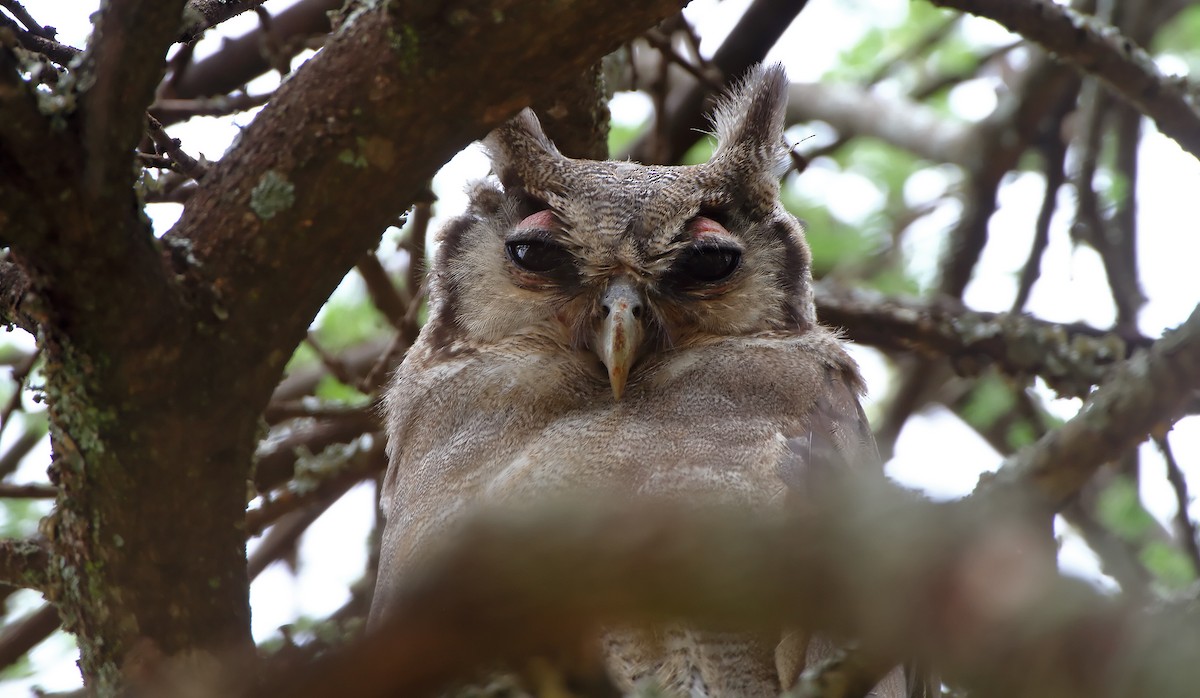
point(609, 327)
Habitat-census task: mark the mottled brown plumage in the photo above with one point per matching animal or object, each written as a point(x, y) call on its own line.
point(608, 327)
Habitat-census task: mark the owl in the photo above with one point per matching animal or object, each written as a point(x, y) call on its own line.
point(615, 328)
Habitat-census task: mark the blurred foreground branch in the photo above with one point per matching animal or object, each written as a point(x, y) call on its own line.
point(960, 589)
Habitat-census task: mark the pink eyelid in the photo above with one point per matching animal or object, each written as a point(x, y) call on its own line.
point(702, 228)
point(542, 219)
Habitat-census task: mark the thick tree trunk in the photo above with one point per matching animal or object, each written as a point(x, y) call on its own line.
point(160, 354)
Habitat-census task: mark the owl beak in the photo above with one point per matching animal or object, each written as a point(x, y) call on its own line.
point(620, 333)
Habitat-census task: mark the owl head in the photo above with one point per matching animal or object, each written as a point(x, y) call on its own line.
point(619, 261)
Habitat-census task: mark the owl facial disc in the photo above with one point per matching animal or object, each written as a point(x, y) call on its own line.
point(620, 334)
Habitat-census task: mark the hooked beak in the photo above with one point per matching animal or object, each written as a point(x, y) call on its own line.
point(621, 332)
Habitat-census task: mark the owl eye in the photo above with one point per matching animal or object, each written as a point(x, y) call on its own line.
point(707, 263)
point(537, 256)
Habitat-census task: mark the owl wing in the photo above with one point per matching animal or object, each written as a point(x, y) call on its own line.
point(834, 439)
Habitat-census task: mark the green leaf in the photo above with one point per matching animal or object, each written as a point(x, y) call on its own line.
point(1020, 434)
point(700, 152)
point(1178, 38)
point(1120, 509)
point(1168, 565)
point(990, 400)
point(894, 281)
point(887, 166)
point(346, 323)
point(330, 388)
point(621, 136)
point(303, 357)
point(19, 517)
point(832, 241)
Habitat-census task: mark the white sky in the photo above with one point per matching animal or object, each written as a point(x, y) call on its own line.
point(936, 451)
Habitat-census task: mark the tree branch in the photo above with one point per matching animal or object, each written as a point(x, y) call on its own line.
point(200, 15)
point(1185, 528)
point(18, 637)
point(38, 43)
point(241, 60)
point(24, 563)
point(1147, 393)
point(328, 485)
point(965, 592)
point(1071, 358)
point(123, 64)
point(269, 213)
point(754, 34)
point(855, 111)
point(1102, 51)
point(14, 287)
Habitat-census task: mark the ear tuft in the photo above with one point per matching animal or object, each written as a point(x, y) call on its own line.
point(749, 121)
point(522, 156)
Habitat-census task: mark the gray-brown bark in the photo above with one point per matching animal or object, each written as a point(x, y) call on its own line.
point(160, 355)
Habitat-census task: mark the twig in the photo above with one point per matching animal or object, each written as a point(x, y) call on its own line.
point(331, 362)
point(1046, 89)
point(937, 83)
point(1186, 528)
point(333, 483)
point(171, 187)
point(60, 53)
point(309, 408)
point(358, 360)
point(382, 291)
point(1054, 153)
point(160, 162)
point(422, 215)
point(19, 373)
point(24, 564)
point(280, 540)
point(240, 60)
point(209, 13)
point(664, 46)
point(18, 637)
point(759, 27)
point(170, 147)
point(23, 16)
point(10, 490)
point(20, 448)
point(1102, 51)
point(1119, 249)
point(271, 45)
point(911, 52)
point(14, 289)
point(277, 461)
point(175, 110)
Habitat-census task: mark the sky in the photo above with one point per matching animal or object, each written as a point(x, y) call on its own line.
point(936, 452)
